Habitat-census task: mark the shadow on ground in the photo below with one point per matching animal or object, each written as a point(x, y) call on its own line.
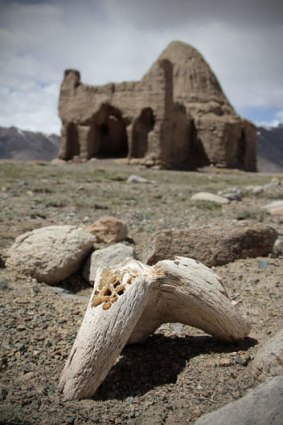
point(158, 362)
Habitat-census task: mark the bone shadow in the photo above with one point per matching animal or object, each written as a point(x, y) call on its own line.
point(158, 362)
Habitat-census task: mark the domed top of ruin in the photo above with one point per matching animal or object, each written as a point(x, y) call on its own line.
point(194, 80)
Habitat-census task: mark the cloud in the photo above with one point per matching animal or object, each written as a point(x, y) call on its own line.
point(115, 41)
point(272, 122)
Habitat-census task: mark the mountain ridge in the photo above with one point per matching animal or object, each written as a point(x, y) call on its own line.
point(27, 145)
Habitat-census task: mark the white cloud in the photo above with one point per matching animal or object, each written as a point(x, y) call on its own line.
point(278, 119)
point(114, 41)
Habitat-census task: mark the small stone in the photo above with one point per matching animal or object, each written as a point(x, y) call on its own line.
point(87, 404)
point(274, 208)
point(210, 197)
point(225, 362)
point(109, 230)
point(4, 285)
point(232, 194)
point(278, 246)
point(137, 179)
point(3, 394)
point(28, 376)
point(21, 328)
point(243, 360)
point(262, 264)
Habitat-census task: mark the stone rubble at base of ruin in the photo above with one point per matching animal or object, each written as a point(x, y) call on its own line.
point(176, 116)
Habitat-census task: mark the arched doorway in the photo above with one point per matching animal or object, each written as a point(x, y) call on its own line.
point(141, 127)
point(109, 133)
point(241, 151)
point(72, 147)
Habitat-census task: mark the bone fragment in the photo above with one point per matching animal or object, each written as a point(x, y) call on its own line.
point(130, 301)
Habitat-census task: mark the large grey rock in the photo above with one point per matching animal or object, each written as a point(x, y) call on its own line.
point(261, 406)
point(212, 244)
point(51, 254)
point(109, 256)
point(269, 358)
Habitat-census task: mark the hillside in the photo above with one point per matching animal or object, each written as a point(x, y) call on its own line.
point(270, 149)
point(27, 145)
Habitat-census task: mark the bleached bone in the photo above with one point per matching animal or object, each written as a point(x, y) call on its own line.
point(130, 301)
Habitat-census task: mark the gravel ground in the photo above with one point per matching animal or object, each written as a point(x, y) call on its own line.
point(179, 373)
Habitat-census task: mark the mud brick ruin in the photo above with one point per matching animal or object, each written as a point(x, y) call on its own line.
point(176, 116)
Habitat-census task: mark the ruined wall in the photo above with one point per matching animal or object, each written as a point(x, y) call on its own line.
point(176, 116)
point(117, 119)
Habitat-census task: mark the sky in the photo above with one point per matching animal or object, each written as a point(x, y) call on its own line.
point(117, 40)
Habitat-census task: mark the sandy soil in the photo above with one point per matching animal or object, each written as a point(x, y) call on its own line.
point(179, 373)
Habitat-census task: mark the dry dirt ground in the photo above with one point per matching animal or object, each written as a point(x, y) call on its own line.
point(179, 373)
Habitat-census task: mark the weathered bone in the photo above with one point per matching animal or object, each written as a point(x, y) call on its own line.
point(130, 301)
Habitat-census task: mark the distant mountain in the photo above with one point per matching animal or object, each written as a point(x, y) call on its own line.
point(270, 149)
point(23, 144)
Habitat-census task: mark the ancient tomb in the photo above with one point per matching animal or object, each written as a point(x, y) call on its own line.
point(177, 116)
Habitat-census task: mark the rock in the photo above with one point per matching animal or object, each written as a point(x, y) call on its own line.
point(277, 211)
point(3, 284)
point(57, 161)
point(210, 197)
point(232, 194)
point(269, 358)
point(2, 261)
point(225, 362)
point(255, 190)
point(274, 208)
point(278, 246)
point(137, 179)
point(109, 230)
point(272, 185)
point(176, 116)
point(51, 254)
point(106, 257)
point(261, 406)
point(212, 244)
point(29, 376)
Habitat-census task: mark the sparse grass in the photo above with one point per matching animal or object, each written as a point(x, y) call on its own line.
point(56, 203)
point(252, 214)
point(35, 195)
point(206, 205)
